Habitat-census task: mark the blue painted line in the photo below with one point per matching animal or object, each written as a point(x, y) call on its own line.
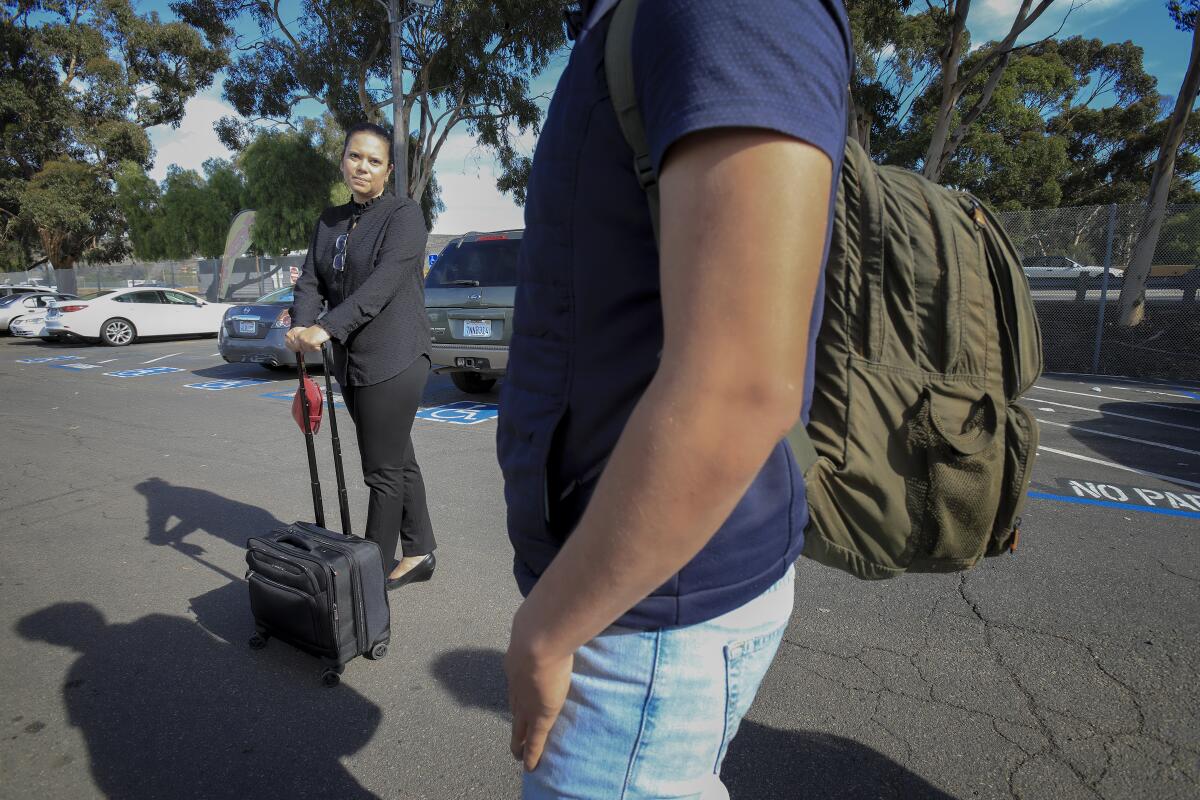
point(222, 385)
point(288, 396)
point(141, 373)
point(1193, 395)
point(1088, 501)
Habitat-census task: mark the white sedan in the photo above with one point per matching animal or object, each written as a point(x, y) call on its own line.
point(31, 325)
point(118, 317)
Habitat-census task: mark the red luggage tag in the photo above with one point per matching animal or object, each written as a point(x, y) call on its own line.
point(316, 406)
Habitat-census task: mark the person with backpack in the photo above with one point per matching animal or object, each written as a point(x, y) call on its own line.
point(658, 360)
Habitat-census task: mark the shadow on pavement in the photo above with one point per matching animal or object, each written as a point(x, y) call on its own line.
point(199, 510)
point(762, 761)
point(1183, 466)
point(169, 712)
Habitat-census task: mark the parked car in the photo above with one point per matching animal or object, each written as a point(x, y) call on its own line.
point(31, 325)
point(118, 317)
point(255, 332)
point(7, 289)
point(1063, 267)
point(469, 295)
point(16, 306)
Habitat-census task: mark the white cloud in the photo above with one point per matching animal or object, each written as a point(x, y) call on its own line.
point(992, 19)
point(467, 174)
point(194, 141)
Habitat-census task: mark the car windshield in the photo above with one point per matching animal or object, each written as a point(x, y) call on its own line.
point(279, 297)
point(484, 262)
point(10, 299)
point(94, 295)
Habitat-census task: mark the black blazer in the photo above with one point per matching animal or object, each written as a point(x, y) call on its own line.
point(376, 304)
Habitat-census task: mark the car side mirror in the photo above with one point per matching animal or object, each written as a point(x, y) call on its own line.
point(200, 303)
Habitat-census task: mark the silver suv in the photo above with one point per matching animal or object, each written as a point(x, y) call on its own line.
point(469, 294)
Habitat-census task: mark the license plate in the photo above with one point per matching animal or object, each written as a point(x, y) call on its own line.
point(247, 326)
point(478, 328)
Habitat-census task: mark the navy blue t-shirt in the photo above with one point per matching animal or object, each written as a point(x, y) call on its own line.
point(588, 331)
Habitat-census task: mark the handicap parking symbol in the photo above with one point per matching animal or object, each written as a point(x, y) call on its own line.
point(220, 386)
point(76, 366)
point(138, 373)
point(461, 413)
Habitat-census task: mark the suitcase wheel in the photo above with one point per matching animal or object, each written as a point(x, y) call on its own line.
point(330, 678)
point(378, 651)
point(258, 641)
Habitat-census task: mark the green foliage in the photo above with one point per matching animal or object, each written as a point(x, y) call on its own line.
point(288, 182)
point(139, 199)
point(80, 82)
point(71, 206)
point(1184, 13)
point(1179, 242)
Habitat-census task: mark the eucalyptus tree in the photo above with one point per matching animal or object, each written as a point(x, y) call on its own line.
point(470, 64)
point(82, 81)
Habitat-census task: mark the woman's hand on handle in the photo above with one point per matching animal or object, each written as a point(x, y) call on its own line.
point(306, 340)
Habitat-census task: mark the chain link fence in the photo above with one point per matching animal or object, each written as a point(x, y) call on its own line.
point(249, 279)
point(1075, 260)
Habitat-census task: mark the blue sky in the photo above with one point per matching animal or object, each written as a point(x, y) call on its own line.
point(467, 174)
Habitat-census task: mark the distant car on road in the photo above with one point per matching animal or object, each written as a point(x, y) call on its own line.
point(469, 294)
point(119, 317)
point(255, 332)
point(16, 306)
point(1063, 267)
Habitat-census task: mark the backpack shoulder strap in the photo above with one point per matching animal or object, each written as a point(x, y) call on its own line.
point(618, 69)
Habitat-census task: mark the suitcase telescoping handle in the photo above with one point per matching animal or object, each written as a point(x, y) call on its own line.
point(343, 499)
point(313, 479)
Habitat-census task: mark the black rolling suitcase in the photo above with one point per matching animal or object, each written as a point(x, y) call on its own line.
point(319, 591)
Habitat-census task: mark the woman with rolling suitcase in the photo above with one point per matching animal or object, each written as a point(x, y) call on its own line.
point(364, 265)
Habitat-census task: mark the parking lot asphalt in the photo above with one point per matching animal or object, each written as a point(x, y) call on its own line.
point(1068, 669)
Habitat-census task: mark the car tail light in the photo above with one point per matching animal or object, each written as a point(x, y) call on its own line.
point(284, 320)
point(65, 309)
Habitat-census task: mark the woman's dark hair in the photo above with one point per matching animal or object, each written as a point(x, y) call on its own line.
point(374, 130)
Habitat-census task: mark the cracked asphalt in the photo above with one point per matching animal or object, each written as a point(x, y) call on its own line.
point(1067, 670)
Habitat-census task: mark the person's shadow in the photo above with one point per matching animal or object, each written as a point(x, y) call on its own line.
point(762, 762)
point(169, 712)
point(196, 510)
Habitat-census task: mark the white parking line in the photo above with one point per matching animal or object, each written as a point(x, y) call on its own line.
point(160, 358)
point(106, 361)
point(1167, 478)
point(1096, 396)
point(1115, 414)
point(1119, 436)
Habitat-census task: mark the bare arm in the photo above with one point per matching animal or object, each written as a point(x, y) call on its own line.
point(744, 218)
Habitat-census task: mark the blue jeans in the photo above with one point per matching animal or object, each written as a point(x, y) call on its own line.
point(650, 714)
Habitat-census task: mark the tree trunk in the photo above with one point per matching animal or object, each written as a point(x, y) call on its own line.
point(1133, 291)
point(942, 144)
point(950, 58)
point(396, 11)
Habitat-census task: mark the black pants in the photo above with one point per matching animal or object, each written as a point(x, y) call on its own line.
point(383, 417)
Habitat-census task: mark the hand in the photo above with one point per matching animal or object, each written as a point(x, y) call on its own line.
point(537, 689)
point(292, 339)
point(305, 340)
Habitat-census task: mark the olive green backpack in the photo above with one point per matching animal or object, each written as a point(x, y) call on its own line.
point(917, 456)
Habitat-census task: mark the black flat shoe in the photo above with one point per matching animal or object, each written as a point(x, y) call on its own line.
point(421, 572)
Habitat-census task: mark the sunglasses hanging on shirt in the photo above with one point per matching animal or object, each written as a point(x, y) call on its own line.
point(339, 252)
